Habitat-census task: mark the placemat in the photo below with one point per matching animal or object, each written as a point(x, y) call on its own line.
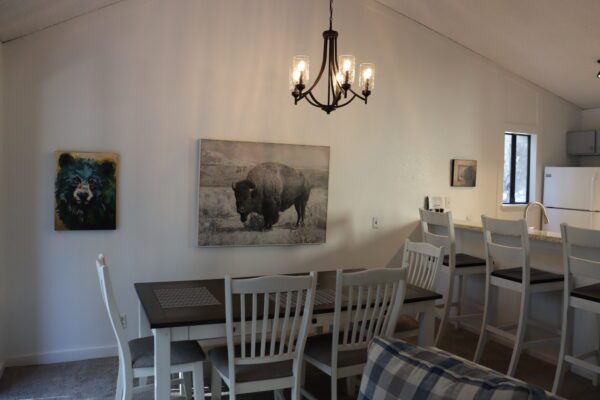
point(322, 297)
point(185, 297)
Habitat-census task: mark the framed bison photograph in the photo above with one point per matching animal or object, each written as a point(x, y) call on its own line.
point(262, 193)
point(85, 191)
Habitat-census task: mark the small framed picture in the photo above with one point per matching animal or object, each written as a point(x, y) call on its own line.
point(464, 173)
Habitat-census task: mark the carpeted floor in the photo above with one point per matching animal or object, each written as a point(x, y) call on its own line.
point(95, 379)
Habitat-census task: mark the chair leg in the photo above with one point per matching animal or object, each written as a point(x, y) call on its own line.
point(564, 340)
point(215, 385)
point(334, 384)
point(520, 336)
point(187, 385)
point(596, 379)
point(447, 307)
point(198, 374)
point(119, 388)
point(459, 300)
point(350, 385)
point(484, 321)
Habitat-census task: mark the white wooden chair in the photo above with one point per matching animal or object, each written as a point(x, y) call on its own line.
point(423, 262)
point(581, 294)
point(508, 267)
point(136, 357)
point(438, 230)
point(372, 301)
point(272, 358)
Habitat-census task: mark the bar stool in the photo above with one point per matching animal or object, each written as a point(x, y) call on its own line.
point(508, 267)
point(585, 297)
point(438, 230)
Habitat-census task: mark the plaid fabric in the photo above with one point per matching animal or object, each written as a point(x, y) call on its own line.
point(399, 370)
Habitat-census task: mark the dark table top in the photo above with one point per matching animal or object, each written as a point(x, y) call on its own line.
point(160, 317)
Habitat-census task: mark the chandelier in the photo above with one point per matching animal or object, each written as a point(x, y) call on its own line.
point(340, 75)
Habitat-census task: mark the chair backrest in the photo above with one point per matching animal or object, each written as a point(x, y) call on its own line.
point(372, 300)
point(438, 229)
point(113, 314)
point(423, 261)
point(499, 254)
point(579, 266)
point(279, 332)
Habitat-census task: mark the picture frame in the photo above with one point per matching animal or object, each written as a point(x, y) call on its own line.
point(464, 173)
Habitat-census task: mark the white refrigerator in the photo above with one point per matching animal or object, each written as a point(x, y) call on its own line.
point(572, 195)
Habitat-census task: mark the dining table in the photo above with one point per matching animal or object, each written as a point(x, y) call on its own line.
point(195, 310)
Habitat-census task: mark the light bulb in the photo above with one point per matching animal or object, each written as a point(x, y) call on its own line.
point(347, 65)
point(367, 73)
point(301, 66)
point(296, 76)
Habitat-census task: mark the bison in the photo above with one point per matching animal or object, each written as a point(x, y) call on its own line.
point(270, 188)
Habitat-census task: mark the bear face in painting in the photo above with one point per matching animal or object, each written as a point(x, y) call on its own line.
point(85, 193)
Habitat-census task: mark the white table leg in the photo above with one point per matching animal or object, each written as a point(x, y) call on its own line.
point(162, 363)
point(143, 324)
point(427, 325)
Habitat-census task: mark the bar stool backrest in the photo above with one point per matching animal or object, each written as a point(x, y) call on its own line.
point(579, 266)
point(443, 235)
point(502, 256)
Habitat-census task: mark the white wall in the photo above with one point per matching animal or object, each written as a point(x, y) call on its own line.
point(590, 119)
point(148, 78)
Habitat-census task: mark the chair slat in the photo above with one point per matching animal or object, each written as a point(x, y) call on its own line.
point(423, 261)
point(265, 320)
point(243, 322)
point(286, 319)
point(274, 328)
point(356, 321)
point(254, 317)
point(348, 314)
point(296, 317)
point(373, 317)
point(365, 318)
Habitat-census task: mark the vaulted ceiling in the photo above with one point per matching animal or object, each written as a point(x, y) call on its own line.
point(22, 17)
point(553, 43)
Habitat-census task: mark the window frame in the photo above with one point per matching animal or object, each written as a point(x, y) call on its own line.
point(513, 169)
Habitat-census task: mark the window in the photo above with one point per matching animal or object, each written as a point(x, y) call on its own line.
point(517, 156)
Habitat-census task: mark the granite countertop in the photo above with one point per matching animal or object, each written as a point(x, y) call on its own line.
point(534, 234)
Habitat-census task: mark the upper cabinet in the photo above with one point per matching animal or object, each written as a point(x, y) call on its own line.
point(583, 143)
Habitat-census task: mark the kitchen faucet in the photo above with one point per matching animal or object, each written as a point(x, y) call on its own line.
point(544, 213)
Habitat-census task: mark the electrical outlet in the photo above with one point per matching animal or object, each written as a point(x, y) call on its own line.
point(124, 321)
point(447, 203)
point(375, 223)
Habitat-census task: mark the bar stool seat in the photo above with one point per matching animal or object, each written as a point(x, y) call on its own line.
point(591, 292)
point(465, 260)
point(536, 276)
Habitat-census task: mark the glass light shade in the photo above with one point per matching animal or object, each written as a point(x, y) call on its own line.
point(367, 76)
point(299, 72)
point(347, 66)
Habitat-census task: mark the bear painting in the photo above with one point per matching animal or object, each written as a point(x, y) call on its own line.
point(85, 191)
point(255, 194)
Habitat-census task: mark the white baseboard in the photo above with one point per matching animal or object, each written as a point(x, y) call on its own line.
point(84, 353)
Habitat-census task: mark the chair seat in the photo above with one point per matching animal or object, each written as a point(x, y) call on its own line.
point(319, 348)
point(536, 276)
point(465, 260)
point(406, 323)
point(185, 352)
point(591, 292)
point(249, 373)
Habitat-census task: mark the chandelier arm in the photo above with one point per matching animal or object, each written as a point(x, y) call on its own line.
point(314, 101)
point(305, 93)
point(358, 95)
point(346, 103)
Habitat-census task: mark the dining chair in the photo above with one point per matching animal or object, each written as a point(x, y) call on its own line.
point(136, 357)
point(367, 304)
point(508, 266)
point(423, 262)
point(269, 356)
point(438, 229)
point(581, 292)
